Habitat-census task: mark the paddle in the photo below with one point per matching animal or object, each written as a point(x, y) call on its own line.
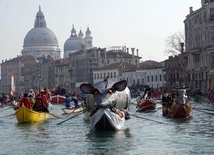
point(58, 117)
point(71, 112)
point(148, 105)
point(7, 115)
point(155, 111)
point(146, 118)
point(134, 101)
point(203, 111)
point(8, 108)
point(79, 113)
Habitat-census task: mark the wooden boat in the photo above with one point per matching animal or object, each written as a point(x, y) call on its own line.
point(57, 99)
point(145, 105)
point(72, 110)
point(25, 115)
point(179, 107)
point(177, 110)
point(105, 119)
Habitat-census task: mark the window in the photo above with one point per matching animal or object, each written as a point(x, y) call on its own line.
point(211, 14)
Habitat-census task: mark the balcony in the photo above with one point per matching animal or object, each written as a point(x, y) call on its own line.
point(195, 51)
point(210, 47)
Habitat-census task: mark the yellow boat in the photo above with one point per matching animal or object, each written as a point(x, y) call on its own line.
point(25, 115)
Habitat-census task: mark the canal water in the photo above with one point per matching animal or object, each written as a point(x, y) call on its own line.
point(145, 135)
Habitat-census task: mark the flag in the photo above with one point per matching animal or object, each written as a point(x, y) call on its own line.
point(12, 91)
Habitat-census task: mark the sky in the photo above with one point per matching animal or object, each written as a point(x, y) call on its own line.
point(142, 24)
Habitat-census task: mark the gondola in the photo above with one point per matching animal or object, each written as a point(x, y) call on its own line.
point(105, 119)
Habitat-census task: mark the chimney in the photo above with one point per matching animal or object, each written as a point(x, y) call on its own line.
point(127, 50)
point(190, 9)
point(132, 51)
point(182, 47)
point(105, 57)
point(137, 52)
point(94, 48)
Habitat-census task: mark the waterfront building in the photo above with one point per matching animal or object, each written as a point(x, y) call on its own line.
point(84, 62)
point(199, 43)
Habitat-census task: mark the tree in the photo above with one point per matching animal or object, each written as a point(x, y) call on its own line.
point(173, 43)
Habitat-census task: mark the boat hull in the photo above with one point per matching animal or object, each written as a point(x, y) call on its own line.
point(25, 115)
point(105, 119)
point(72, 110)
point(177, 110)
point(57, 99)
point(146, 105)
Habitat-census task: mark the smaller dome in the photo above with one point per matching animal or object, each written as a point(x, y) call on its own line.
point(73, 44)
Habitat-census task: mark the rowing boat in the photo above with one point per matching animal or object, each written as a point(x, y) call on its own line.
point(72, 110)
point(145, 105)
point(177, 110)
point(57, 99)
point(25, 115)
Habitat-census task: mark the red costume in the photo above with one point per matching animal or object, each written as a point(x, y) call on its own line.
point(26, 103)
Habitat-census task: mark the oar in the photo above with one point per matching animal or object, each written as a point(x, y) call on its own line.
point(148, 105)
point(8, 108)
point(7, 115)
point(206, 109)
point(160, 102)
point(203, 111)
point(134, 101)
point(71, 112)
point(146, 118)
point(79, 113)
point(58, 117)
point(155, 111)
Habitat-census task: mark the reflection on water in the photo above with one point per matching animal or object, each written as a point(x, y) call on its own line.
point(99, 142)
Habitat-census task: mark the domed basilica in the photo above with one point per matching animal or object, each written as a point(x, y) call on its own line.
point(40, 41)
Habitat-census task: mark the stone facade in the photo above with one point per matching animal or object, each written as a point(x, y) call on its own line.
point(199, 45)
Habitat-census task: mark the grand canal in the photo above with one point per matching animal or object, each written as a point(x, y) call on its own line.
point(141, 136)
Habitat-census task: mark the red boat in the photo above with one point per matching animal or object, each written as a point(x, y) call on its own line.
point(145, 105)
point(177, 110)
point(57, 99)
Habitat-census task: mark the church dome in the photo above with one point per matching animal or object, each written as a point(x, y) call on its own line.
point(40, 36)
point(40, 41)
point(74, 43)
